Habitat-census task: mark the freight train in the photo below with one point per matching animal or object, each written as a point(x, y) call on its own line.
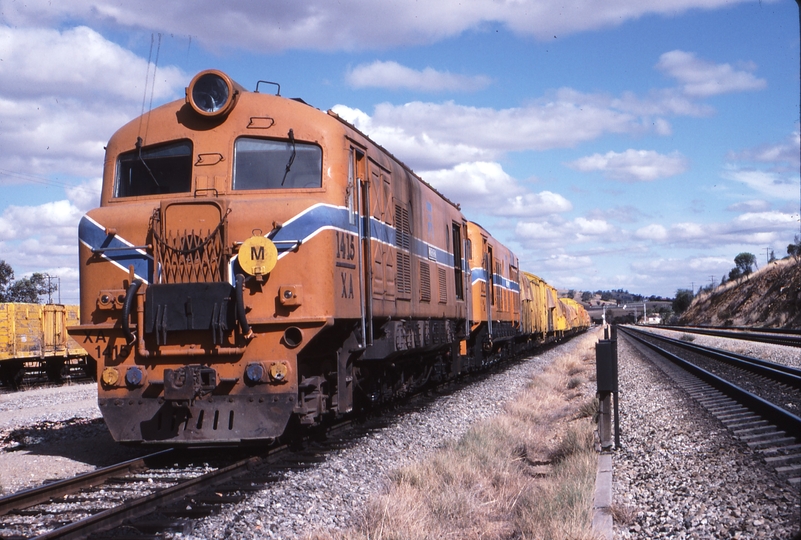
point(34, 344)
point(256, 264)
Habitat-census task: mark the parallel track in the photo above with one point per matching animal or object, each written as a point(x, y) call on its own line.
point(775, 336)
point(764, 426)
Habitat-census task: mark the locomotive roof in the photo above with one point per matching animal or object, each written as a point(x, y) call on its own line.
point(395, 159)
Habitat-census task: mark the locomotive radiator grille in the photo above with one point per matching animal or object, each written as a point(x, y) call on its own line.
point(191, 256)
point(189, 243)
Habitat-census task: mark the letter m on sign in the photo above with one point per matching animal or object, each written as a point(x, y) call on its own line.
point(257, 253)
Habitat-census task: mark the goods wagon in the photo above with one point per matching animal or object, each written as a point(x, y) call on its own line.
point(34, 342)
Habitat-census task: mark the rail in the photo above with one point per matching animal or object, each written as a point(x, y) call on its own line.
point(771, 370)
point(782, 418)
point(789, 338)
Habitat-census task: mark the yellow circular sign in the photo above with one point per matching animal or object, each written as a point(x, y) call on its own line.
point(257, 255)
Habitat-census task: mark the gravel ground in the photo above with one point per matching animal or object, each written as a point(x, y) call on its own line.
point(333, 494)
point(680, 474)
point(51, 433)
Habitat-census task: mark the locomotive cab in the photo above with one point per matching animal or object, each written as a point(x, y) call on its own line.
point(184, 302)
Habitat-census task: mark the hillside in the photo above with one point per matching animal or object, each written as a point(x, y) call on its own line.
point(770, 297)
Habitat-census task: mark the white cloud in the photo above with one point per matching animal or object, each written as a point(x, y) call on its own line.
point(563, 261)
point(772, 184)
point(394, 76)
point(761, 228)
point(554, 232)
point(76, 63)
point(439, 135)
point(633, 165)
point(62, 95)
point(85, 196)
point(702, 78)
point(43, 238)
point(700, 265)
point(350, 24)
point(53, 219)
point(652, 232)
point(754, 205)
point(485, 187)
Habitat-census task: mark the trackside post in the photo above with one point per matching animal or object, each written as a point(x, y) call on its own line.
point(607, 381)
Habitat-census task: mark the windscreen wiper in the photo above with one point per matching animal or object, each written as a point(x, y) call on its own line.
point(291, 157)
point(139, 147)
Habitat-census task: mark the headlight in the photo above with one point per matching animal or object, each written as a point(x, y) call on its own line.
point(212, 93)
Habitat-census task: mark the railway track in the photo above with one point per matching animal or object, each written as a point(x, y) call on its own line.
point(765, 416)
point(775, 336)
point(148, 495)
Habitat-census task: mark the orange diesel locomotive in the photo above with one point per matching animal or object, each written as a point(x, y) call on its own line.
point(256, 263)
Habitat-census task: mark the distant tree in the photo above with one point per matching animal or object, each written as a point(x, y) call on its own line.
point(772, 256)
point(30, 289)
point(571, 293)
point(745, 263)
point(6, 279)
point(586, 296)
point(794, 249)
point(684, 298)
point(735, 274)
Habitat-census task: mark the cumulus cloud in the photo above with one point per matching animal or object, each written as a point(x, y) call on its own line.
point(57, 219)
point(633, 165)
point(86, 195)
point(564, 261)
point(394, 76)
point(485, 187)
point(347, 25)
point(43, 238)
point(438, 135)
point(701, 265)
point(702, 78)
point(768, 183)
point(555, 232)
point(63, 93)
point(759, 228)
point(653, 231)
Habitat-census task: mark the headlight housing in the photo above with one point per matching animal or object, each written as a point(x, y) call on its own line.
point(212, 93)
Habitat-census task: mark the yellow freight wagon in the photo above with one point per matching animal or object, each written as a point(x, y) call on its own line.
point(34, 340)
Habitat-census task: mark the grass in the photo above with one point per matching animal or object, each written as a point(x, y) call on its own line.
point(528, 473)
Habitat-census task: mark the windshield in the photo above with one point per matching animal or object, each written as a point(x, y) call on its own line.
point(266, 164)
point(154, 171)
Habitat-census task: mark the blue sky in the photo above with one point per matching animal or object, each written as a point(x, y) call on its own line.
point(625, 144)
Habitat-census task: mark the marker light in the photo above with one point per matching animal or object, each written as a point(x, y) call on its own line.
point(212, 93)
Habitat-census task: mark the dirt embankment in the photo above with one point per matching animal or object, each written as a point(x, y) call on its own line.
point(770, 297)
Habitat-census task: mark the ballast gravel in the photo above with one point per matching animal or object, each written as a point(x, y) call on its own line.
point(681, 474)
point(333, 494)
point(54, 432)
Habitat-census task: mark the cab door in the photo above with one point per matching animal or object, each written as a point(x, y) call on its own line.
point(381, 252)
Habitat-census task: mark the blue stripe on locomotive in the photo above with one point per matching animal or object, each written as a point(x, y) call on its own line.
point(94, 236)
point(300, 228)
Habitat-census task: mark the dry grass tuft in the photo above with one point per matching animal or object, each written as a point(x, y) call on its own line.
point(623, 515)
point(529, 473)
